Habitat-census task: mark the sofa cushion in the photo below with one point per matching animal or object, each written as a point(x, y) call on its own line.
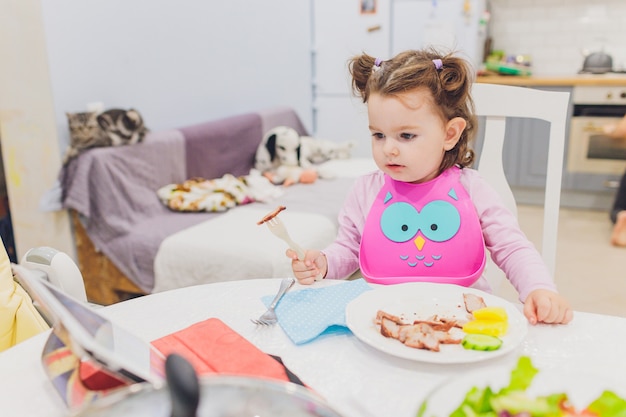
point(225, 146)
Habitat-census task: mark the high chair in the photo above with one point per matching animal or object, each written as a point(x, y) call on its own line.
point(19, 319)
point(497, 103)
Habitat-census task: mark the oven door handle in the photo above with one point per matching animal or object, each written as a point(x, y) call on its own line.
point(591, 127)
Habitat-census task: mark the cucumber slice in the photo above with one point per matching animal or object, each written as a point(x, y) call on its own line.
point(481, 342)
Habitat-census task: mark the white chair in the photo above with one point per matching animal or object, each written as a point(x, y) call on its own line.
point(57, 268)
point(496, 103)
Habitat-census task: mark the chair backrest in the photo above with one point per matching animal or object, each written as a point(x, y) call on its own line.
point(59, 269)
point(496, 103)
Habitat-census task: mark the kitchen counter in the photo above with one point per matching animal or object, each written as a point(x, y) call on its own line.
point(613, 79)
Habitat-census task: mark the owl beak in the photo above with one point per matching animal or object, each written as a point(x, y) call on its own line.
point(419, 242)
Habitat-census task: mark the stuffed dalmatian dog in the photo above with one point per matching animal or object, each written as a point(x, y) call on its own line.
point(286, 158)
point(281, 146)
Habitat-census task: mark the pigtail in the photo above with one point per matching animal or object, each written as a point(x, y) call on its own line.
point(455, 95)
point(361, 69)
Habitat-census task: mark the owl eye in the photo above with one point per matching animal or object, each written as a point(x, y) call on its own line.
point(399, 222)
point(439, 220)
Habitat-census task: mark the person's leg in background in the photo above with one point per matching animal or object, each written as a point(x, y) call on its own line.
point(618, 215)
point(618, 212)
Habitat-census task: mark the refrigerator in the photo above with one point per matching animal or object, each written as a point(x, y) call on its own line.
point(381, 28)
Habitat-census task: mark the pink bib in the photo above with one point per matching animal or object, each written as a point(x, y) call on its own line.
point(423, 232)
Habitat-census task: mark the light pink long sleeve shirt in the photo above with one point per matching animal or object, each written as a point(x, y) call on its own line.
point(509, 247)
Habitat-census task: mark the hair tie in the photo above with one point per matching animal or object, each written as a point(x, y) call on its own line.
point(377, 63)
point(438, 64)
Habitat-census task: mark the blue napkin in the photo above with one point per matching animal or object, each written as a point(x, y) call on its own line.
point(307, 314)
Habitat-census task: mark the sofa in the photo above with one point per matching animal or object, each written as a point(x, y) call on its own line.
point(129, 243)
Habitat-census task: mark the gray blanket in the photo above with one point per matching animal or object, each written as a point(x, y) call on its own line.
point(114, 189)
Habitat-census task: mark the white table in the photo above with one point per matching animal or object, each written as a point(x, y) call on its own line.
point(356, 379)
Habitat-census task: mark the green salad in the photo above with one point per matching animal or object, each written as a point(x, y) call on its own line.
point(513, 401)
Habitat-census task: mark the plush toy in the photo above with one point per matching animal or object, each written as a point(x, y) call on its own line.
point(285, 157)
point(289, 175)
point(321, 150)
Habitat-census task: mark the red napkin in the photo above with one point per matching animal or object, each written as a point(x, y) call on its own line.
point(213, 347)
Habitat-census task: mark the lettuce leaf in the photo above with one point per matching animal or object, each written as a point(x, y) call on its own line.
point(522, 376)
point(608, 404)
point(512, 399)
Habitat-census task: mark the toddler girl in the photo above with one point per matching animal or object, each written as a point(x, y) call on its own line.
point(425, 215)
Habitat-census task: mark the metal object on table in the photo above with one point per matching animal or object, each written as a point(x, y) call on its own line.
point(269, 317)
point(186, 395)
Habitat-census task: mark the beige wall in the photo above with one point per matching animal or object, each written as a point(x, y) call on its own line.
point(30, 147)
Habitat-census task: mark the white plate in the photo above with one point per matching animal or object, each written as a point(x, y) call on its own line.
point(421, 300)
point(581, 388)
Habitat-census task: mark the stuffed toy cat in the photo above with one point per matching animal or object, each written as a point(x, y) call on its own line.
point(322, 150)
point(113, 127)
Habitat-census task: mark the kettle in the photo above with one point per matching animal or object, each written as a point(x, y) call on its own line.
point(598, 63)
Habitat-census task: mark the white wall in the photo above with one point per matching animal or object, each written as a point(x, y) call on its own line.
point(30, 147)
point(555, 32)
point(178, 62)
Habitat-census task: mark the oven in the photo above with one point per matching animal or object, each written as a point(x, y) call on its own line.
point(590, 150)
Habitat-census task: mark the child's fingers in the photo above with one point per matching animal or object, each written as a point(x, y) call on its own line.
point(306, 281)
point(569, 316)
point(529, 311)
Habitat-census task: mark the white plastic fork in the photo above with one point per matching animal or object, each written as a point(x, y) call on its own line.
point(277, 227)
point(269, 317)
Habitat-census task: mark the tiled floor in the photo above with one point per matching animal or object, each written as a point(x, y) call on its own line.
point(590, 272)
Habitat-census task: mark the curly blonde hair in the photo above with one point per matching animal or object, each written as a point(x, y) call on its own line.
point(410, 70)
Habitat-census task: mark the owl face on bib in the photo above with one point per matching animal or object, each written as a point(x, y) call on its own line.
point(421, 236)
point(422, 232)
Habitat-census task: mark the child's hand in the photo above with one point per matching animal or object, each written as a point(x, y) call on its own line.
point(314, 264)
point(544, 306)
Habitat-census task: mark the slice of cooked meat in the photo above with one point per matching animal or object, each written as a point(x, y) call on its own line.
point(380, 314)
point(459, 323)
point(438, 325)
point(456, 322)
point(446, 338)
point(426, 334)
point(406, 331)
point(473, 302)
point(389, 328)
point(422, 336)
point(271, 215)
